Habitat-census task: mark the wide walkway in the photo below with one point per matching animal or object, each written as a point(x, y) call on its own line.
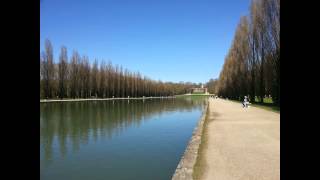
point(242, 143)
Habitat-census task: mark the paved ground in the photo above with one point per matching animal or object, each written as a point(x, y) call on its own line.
point(242, 143)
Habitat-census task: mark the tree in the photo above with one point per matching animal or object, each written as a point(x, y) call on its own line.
point(74, 75)
point(94, 79)
point(63, 65)
point(102, 81)
point(85, 77)
point(47, 69)
point(252, 65)
point(80, 79)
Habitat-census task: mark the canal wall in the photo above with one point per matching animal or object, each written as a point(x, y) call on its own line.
point(184, 169)
point(103, 99)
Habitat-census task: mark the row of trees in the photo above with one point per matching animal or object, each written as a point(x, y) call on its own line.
point(252, 65)
point(77, 78)
point(212, 85)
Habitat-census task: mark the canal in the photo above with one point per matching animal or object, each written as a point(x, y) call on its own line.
point(116, 140)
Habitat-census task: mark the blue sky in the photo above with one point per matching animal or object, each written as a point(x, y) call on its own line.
point(168, 40)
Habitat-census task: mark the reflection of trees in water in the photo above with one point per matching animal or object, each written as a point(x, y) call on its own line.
point(74, 122)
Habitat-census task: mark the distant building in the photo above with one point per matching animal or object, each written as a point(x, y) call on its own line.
point(201, 90)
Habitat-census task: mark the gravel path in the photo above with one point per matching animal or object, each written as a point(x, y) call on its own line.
point(242, 143)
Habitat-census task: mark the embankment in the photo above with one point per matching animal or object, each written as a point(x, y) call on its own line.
point(184, 170)
point(101, 99)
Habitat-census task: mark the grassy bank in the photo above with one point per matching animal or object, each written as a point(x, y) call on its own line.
point(187, 95)
point(267, 104)
point(200, 166)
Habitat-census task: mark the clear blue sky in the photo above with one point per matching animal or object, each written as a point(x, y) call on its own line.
point(168, 40)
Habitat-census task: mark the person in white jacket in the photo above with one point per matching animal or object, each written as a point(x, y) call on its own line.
point(245, 102)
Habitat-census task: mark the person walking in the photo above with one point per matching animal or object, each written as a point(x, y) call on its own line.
point(245, 102)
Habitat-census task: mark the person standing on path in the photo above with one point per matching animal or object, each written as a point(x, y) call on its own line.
point(245, 102)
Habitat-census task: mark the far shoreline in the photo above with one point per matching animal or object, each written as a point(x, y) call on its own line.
point(103, 99)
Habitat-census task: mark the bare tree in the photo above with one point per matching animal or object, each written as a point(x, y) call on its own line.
point(63, 65)
point(102, 81)
point(48, 69)
point(252, 65)
point(74, 75)
point(94, 79)
point(78, 79)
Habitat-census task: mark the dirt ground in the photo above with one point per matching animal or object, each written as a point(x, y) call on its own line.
point(242, 143)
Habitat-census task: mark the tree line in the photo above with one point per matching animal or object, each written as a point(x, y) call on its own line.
point(211, 85)
point(252, 65)
point(78, 78)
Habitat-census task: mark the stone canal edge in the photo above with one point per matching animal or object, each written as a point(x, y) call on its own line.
point(185, 169)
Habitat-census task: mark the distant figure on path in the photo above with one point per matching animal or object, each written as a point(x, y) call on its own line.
point(245, 102)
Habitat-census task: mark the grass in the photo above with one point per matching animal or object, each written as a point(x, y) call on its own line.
point(186, 95)
point(267, 104)
point(200, 94)
point(265, 100)
point(200, 166)
point(197, 93)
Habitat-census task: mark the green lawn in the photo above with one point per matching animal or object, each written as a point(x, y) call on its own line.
point(197, 93)
point(200, 166)
point(267, 105)
point(265, 100)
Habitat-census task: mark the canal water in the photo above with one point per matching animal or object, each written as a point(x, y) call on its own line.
point(115, 140)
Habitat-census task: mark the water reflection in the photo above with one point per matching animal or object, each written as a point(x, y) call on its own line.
point(72, 124)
